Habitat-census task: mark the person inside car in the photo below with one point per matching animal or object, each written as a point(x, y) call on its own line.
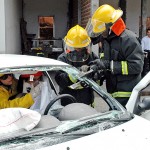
point(8, 93)
point(27, 82)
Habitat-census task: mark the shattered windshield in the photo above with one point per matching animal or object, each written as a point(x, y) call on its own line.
point(67, 131)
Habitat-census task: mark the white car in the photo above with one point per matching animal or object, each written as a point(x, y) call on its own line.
point(139, 101)
point(76, 126)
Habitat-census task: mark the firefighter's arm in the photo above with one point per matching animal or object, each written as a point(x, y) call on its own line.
point(62, 79)
point(133, 59)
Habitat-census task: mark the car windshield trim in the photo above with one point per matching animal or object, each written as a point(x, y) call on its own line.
point(33, 68)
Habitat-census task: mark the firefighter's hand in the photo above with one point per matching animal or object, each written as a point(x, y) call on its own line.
point(84, 68)
point(62, 79)
point(99, 76)
point(99, 65)
point(35, 91)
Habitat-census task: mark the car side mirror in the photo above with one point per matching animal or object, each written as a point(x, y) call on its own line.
point(145, 104)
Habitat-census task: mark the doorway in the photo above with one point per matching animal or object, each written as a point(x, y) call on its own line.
point(46, 27)
point(141, 26)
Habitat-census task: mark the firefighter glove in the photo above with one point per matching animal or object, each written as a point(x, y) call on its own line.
point(62, 79)
point(99, 65)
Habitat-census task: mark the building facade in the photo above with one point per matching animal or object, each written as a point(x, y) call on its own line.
point(65, 14)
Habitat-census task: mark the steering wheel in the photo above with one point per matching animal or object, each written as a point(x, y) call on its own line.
point(58, 98)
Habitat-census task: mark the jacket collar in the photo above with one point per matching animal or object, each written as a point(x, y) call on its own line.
point(118, 27)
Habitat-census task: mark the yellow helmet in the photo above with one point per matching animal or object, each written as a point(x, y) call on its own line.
point(77, 37)
point(104, 15)
point(1, 75)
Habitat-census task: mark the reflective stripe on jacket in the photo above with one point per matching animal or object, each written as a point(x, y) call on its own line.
point(121, 94)
point(124, 67)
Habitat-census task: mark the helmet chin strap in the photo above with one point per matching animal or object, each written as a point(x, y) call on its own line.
point(108, 28)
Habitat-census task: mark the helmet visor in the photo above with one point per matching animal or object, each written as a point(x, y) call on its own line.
point(94, 27)
point(77, 54)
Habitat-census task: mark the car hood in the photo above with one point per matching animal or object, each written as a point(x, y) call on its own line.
point(134, 134)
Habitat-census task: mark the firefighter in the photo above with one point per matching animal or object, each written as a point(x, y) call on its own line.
point(123, 55)
point(78, 54)
point(8, 93)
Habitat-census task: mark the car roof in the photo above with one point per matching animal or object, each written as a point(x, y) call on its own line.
point(17, 61)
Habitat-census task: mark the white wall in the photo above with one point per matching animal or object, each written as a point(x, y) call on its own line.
point(12, 26)
point(133, 15)
point(148, 10)
point(2, 27)
point(56, 8)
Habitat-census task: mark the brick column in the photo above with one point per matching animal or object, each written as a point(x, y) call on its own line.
point(85, 11)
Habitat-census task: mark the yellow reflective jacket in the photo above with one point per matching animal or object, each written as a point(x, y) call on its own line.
point(25, 101)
